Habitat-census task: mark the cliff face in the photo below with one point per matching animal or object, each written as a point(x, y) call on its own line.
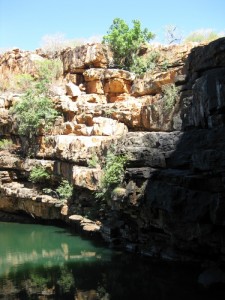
point(172, 205)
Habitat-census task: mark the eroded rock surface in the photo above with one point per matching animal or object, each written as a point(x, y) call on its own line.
point(171, 201)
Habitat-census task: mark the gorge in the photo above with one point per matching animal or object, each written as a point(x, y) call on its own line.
point(169, 122)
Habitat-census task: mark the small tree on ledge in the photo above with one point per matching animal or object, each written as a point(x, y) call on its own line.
point(125, 41)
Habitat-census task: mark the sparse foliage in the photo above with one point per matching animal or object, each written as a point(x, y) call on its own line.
point(113, 173)
point(170, 95)
point(93, 161)
point(6, 144)
point(65, 190)
point(203, 36)
point(35, 111)
point(57, 42)
point(172, 35)
point(39, 174)
point(125, 41)
point(49, 70)
point(142, 64)
point(24, 82)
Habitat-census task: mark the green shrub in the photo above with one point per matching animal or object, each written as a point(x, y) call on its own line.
point(113, 173)
point(24, 82)
point(65, 190)
point(119, 192)
point(142, 64)
point(93, 161)
point(35, 110)
point(164, 65)
point(125, 41)
point(170, 95)
point(49, 70)
point(39, 174)
point(6, 144)
point(32, 113)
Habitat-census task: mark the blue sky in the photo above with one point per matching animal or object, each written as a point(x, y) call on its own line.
point(23, 23)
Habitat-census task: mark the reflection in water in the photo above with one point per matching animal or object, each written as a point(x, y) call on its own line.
point(42, 245)
point(45, 262)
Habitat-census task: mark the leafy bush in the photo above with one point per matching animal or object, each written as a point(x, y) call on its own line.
point(203, 35)
point(35, 110)
point(170, 95)
point(24, 82)
point(6, 144)
point(93, 161)
point(46, 72)
point(119, 192)
point(49, 70)
point(39, 174)
point(143, 64)
point(113, 173)
point(65, 190)
point(32, 113)
point(125, 41)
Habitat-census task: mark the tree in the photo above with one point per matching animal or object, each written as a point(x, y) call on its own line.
point(35, 112)
point(172, 34)
point(125, 41)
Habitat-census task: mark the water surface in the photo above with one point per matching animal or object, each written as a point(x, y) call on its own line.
point(47, 262)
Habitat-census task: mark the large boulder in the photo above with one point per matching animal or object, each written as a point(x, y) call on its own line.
point(108, 81)
point(151, 82)
point(78, 59)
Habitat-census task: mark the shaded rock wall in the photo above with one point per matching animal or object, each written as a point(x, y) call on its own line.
point(174, 204)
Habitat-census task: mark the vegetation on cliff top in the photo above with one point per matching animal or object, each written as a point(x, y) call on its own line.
point(125, 42)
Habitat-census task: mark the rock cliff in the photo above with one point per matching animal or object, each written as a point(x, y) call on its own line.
point(169, 122)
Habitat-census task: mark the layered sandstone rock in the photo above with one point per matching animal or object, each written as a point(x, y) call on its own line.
point(171, 201)
point(18, 62)
point(82, 57)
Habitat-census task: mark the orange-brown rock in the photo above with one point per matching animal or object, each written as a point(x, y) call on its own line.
point(94, 74)
point(81, 129)
point(172, 55)
point(104, 81)
point(75, 78)
point(108, 127)
point(117, 97)
point(15, 197)
point(86, 177)
point(65, 104)
point(4, 116)
point(78, 59)
point(73, 148)
point(68, 128)
point(18, 62)
point(72, 90)
point(151, 83)
point(117, 86)
point(95, 86)
point(91, 98)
